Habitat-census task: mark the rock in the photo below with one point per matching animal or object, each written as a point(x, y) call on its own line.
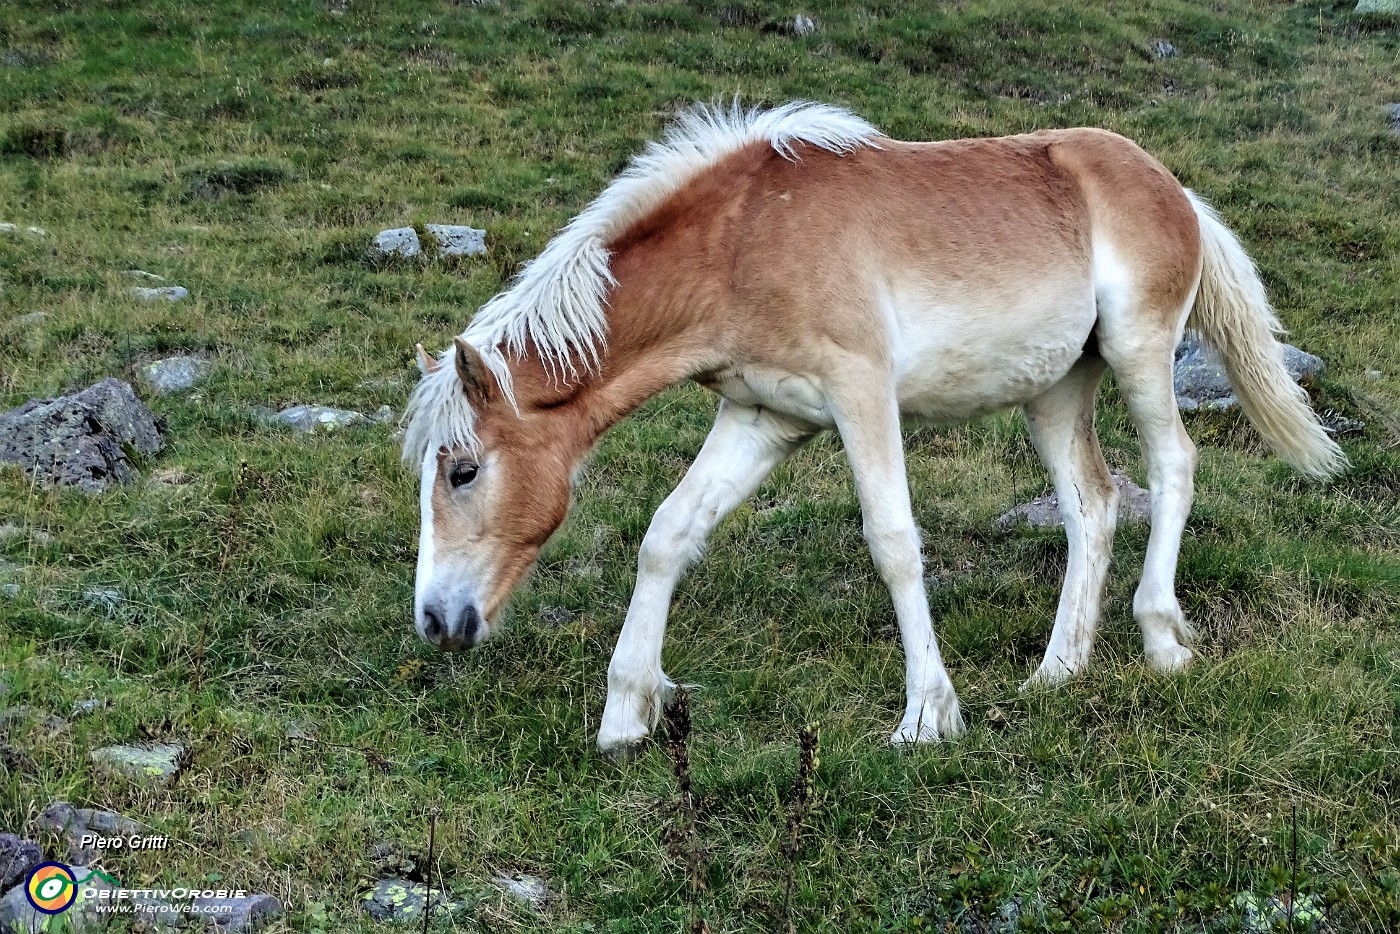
point(16, 914)
point(1273, 914)
point(17, 230)
point(312, 417)
point(237, 915)
point(557, 616)
point(398, 242)
point(400, 900)
point(9, 591)
point(384, 415)
point(71, 824)
point(532, 890)
point(31, 319)
point(1392, 112)
point(103, 598)
point(173, 374)
point(456, 240)
point(1338, 425)
point(89, 706)
point(172, 476)
point(144, 276)
point(1043, 512)
point(154, 764)
point(1161, 48)
point(1378, 6)
point(41, 724)
point(17, 858)
point(169, 293)
point(1201, 383)
point(80, 439)
point(803, 25)
point(38, 536)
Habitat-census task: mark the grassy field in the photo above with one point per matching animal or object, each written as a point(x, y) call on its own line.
point(249, 151)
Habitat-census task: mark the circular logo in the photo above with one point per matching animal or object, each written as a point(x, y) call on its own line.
point(51, 888)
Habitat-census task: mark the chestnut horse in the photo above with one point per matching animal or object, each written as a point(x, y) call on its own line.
point(817, 274)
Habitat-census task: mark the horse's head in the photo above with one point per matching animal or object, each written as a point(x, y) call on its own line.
point(491, 494)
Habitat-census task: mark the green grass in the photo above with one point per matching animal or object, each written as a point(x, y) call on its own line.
point(249, 151)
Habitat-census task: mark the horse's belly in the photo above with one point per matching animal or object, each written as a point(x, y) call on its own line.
point(953, 367)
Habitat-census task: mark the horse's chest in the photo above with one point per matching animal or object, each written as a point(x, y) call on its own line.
point(772, 388)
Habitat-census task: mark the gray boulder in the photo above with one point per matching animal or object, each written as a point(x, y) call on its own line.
point(400, 900)
point(401, 242)
point(80, 439)
point(17, 858)
point(1161, 48)
point(173, 374)
point(803, 25)
point(16, 914)
point(1200, 381)
point(167, 293)
point(153, 764)
point(313, 417)
point(523, 887)
point(1392, 113)
point(456, 240)
point(1043, 512)
point(70, 824)
point(1378, 6)
point(237, 915)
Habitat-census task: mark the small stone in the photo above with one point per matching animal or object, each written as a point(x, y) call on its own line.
point(1043, 512)
point(557, 616)
point(1378, 6)
point(17, 230)
point(41, 724)
point(1374, 375)
point(89, 706)
point(144, 276)
point(155, 764)
point(31, 319)
point(173, 374)
point(400, 242)
point(302, 730)
point(1161, 48)
point(803, 25)
point(16, 914)
point(384, 415)
point(456, 240)
point(312, 417)
point(9, 591)
point(400, 900)
point(237, 915)
point(523, 887)
point(169, 293)
point(10, 531)
point(103, 598)
point(1392, 112)
point(1274, 913)
point(71, 824)
point(172, 476)
point(17, 858)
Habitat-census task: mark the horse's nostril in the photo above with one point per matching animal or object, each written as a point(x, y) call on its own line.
point(433, 629)
point(471, 622)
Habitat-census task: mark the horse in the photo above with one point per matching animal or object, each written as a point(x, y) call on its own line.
point(817, 274)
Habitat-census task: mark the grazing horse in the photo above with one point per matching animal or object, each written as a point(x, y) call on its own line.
point(817, 274)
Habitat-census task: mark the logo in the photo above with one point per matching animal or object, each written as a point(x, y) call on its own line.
point(52, 887)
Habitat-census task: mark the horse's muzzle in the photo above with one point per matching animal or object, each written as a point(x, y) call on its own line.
point(451, 632)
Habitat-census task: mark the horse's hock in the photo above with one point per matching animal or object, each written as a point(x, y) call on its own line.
point(85, 439)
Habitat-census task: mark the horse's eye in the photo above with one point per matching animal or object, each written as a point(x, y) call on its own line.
point(461, 475)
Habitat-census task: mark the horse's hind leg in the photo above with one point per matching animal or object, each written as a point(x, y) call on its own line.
point(1142, 367)
point(1061, 423)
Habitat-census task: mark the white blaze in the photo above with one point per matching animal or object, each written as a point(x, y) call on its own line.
point(425, 531)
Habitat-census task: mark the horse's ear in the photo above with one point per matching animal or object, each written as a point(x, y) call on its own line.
point(471, 370)
point(426, 363)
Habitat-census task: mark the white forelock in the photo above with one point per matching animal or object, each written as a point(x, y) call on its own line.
point(557, 304)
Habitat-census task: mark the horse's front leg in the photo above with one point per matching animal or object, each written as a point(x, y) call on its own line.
point(743, 447)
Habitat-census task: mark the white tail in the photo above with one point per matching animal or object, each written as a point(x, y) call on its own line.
point(1232, 313)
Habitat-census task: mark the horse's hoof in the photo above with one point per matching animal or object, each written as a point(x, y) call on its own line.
point(624, 751)
point(933, 726)
point(1169, 659)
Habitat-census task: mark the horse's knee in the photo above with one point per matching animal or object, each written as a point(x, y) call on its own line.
point(896, 550)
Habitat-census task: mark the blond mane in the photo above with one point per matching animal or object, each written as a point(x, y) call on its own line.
point(557, 305)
